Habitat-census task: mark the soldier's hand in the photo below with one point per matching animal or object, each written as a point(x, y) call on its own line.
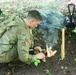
point(40, 56)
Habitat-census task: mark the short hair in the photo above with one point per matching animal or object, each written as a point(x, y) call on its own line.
point(34, 14)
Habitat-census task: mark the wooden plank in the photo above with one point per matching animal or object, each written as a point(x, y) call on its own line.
point(63, 44)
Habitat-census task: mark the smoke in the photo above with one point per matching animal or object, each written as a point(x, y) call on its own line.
point(52, 22)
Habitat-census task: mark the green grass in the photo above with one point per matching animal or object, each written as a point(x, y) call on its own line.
point(29, 4)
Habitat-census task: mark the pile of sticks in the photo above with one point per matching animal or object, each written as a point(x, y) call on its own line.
point(47, 52)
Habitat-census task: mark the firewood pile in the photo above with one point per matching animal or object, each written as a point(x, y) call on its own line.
point(47, 52)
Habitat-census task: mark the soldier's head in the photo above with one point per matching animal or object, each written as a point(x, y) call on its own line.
point(33, 18)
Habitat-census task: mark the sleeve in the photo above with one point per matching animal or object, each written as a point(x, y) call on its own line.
point(23, 48)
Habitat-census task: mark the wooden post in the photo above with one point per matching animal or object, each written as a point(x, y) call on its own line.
point(63, 44)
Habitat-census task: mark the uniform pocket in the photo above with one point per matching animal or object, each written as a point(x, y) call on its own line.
point(5, 53)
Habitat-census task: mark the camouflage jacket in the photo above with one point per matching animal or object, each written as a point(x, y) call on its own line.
point(16, 41)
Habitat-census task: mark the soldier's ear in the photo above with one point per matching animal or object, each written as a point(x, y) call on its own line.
point(32, 20)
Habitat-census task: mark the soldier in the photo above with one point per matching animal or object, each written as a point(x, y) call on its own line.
point(16, 40)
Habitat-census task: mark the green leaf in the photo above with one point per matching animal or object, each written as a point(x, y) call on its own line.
point(74, 59)
point(38, 61)
point(74, 30)
point(47, 72)
point(35, 63)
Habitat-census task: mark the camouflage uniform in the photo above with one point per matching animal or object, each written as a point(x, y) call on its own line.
point(16, 41)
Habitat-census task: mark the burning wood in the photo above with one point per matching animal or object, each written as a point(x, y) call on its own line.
point(50, 52)
point(47, 52)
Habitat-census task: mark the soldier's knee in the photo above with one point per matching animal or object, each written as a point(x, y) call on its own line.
point(24, 60)
point(4, 59)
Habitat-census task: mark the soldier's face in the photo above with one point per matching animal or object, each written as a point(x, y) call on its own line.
point(34, 23)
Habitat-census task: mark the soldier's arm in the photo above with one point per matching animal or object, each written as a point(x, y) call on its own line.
point(23, 49)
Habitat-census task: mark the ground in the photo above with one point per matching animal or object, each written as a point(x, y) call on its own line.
point(53, 65)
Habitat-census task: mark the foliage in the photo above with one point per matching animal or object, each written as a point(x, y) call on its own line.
point(35, 61)
point(5, 0)
point(47, 72)
point(74, 30)
point(54, 4)
point(25, 5)
point(74, 59)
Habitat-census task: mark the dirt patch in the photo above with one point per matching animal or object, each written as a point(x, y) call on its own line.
point(54, 65)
